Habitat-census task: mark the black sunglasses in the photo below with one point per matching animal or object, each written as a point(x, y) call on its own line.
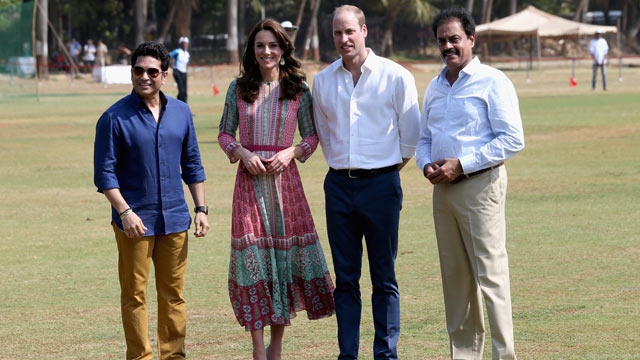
point(152, 72)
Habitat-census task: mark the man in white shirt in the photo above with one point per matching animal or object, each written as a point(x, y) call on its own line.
point(367, 118)
point(181, 57)
point(89, 57)
point(599, 48)
point(470, 125)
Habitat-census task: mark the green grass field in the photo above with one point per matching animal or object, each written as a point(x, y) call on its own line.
point(572, 212)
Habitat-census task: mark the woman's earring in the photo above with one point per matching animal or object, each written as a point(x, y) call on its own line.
point(282, 61)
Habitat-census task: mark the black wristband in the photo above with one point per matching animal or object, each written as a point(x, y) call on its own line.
point(203, 209)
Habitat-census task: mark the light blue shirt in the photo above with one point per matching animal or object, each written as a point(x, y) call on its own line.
point(476, 120)
point(180, 58)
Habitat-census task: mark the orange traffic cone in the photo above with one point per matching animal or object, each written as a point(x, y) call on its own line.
point(573, 82)
point(215, 90)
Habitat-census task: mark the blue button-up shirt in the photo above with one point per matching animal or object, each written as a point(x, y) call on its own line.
point(148, 160)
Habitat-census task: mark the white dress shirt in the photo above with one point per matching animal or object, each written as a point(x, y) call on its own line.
point(371, 125)
point(599, 49)
point(477, 120)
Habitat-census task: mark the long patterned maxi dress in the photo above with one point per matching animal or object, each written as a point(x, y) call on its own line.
point(277, 266)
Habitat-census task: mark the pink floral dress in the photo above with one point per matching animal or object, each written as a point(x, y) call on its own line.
point(277, 266)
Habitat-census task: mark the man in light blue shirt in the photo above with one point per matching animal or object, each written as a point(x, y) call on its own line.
point(367, 118)
point(470, 125)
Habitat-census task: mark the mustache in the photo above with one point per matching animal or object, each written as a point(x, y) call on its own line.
point(449, 52)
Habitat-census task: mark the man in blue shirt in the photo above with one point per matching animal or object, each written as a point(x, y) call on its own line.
point(470, 125)
point(145, 146)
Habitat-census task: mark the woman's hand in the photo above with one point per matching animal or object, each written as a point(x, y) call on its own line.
point(252, 162)
point(280, 161)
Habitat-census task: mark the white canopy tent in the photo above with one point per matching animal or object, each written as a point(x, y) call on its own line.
point(533, 22)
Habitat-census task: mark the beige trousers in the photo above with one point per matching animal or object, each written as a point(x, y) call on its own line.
point(471, 234)
point(169, 256)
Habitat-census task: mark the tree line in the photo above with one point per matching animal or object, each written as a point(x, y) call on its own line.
point(131, 22)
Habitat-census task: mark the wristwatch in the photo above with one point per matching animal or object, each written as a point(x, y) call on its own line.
point(203, 209)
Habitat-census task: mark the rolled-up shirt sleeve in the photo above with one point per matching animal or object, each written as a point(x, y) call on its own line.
point(104, 154)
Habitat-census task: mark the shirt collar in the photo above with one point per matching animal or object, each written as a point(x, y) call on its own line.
point(136, 99)
point(470, 69)
point(370, 62)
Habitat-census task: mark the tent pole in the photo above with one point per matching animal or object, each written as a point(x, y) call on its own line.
point(530, 62)
point(619, 52)
point(538, 45)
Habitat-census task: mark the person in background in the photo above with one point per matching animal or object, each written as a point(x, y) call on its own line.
point(145, 148)
point(277, 265)
point(101, 61)
point(74, 48)
point(89, 57)
point(123, 53)
point(289, 28)
point(181, 57)
point(598, 48)
point(367, 117)
point(470, 126)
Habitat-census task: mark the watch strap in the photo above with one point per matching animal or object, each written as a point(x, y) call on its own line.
point(203, 209)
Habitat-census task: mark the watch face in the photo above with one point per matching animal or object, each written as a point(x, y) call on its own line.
point(202, 209)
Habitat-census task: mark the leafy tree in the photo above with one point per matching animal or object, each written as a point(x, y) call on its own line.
point(9, 13)
point(411, 11)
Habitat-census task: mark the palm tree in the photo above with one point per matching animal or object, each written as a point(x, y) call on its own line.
point(232, 31)
point(631, 22)
point(42, 53)
point(179, 15)
point(582, 7)
point(141, 20)
point(311, 39)
point(183, 16)
point(303, 3)
point(417, 11)
point(487, 6)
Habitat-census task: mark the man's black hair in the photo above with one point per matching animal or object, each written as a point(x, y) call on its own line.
point(467, 21)
point(155, 50)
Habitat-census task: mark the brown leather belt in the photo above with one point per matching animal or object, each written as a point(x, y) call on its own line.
point(468, 176)
point(364, 173)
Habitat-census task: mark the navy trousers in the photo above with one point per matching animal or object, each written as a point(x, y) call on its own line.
point(181, 79)
point(369, 208)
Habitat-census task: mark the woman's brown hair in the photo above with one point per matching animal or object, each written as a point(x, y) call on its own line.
point(291, 74)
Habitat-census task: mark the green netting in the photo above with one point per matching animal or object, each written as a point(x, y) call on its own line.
point(16, 47)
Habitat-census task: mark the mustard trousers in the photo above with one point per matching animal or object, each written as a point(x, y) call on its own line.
point(470, 226)
point(169, 256)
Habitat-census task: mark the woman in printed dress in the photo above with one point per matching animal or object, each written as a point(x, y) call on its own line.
point(277, 265)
